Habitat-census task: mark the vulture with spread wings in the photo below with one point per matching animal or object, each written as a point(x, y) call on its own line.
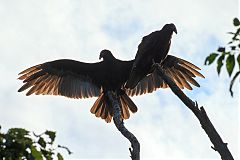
point(76, 79)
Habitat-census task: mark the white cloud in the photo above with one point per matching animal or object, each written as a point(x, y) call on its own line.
point(35, 32)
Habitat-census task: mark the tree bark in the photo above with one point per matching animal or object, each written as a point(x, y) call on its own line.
point(135, 150)
point(201, 114)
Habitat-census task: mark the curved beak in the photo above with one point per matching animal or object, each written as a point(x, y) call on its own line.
point(100, 56)
point(175, 29)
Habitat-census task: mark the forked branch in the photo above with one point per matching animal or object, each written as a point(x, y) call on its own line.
point(218, 144)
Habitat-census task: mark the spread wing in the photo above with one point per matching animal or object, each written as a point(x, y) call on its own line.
point(181, 71)
point(63, 77)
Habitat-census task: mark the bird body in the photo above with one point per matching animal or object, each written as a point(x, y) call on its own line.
point(153, 49)
point(115, 72)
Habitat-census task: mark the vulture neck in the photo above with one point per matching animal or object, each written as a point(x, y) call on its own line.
point(169, 33)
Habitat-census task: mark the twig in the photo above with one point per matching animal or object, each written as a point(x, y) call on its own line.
point(201, 114)
point(135, 151)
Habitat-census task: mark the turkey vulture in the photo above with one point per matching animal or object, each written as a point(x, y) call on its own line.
point(76, 79)
point(153, 49)
point(180, 71)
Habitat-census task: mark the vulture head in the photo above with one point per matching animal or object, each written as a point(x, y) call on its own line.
point(170, 28)
point(106, 55)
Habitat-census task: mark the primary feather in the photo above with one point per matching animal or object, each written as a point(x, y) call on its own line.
point(76, 79)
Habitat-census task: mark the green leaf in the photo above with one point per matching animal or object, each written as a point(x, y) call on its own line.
point(236, 22)
point(47, 154)
point(17, 143)
point(230, 63)
point(230, 42)
point(42, 142)
point(59, 156)
point(51, 135)
point(220, 63)
point(221, 49)
point(36, 154)
point(238, 60)
point(68, 150)
point(232, 82)
point(236, 35)
point(20, 132)
point(230, 33)
point(233, 48)
point(209, 60)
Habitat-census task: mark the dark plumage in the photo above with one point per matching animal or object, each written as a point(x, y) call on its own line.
point(153, 48)
point(181, 71)
point(75, 79)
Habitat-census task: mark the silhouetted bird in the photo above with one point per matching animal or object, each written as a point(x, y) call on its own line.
point(75, 79)
point(180, 71)
point(153, 49)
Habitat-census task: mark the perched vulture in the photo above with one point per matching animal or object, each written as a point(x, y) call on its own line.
point(153, 49)
point(180, 71)
point(75, 79)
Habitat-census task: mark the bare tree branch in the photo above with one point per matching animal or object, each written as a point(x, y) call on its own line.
point(135, 151)
point(201, 114)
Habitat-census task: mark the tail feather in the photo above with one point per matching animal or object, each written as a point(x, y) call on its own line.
point(133, 108)
point(124, 110)
point(101, 108)
point(97, 104)
point(103, 113)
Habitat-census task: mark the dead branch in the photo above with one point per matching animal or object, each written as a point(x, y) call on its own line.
point(135, 150)
point(218, 144)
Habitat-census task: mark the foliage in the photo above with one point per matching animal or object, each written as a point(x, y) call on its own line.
point(228, 55)
point(19, 143)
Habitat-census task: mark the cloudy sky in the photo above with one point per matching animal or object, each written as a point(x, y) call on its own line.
point(33, 32)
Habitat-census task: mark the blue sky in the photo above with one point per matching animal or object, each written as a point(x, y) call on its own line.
point(34, 32)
